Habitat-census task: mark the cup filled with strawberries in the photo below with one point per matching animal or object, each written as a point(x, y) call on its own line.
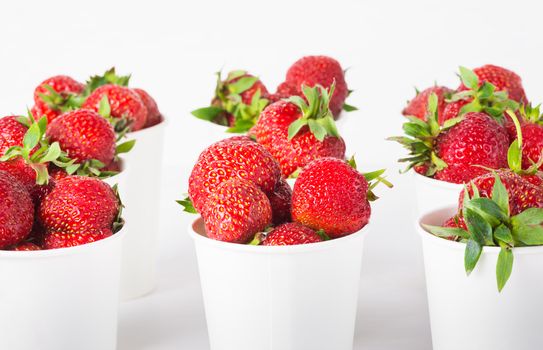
point(272, 256)
point(60, 242)
point(91, 122)
point(454, 136)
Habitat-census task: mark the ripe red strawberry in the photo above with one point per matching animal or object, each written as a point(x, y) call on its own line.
point(280, 200)
point(522, 193)
point(12, 133)
point(124, 103)
point(79, 205)
point(84, 135)
point(236, 211)
point(455, 221)
point(237, 157)
point(16, 211)
point(296, 133)
point(318, 70)
point(503, 79)
point(56, 95)
point(153, 114)
point(331, 195)
point(475, 142)
point(237, 103)
point(55, 240)
point(26, 246)
point(291, 233)
point(451, 110)
point(26, 175)
point(418, 106)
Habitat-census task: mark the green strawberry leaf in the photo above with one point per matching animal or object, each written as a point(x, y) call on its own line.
point(52, 154)
point(316, 129)
point(352, 162)
point(478, 227)
point(349, 108)
point(125, 147)
point(469, 78)
point(500, 195)
point(504, 267)
point(187, 205)
point(32, 137)
point(295, 127)
point(446, 232)
point(207, 113)
point(530, 216)
point(241, 85)
point(104, 109)
point(528, 234)
point(503, 234)
point(323, 235)
point(471, 255)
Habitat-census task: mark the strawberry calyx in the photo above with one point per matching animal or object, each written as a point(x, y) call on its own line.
point(376, 175)
point(228, 101)
point(531, 114)
point(36, 150)
point(118, 222)
point(489, 223)
point(121, 126)
point(482, 97)
point(187, 205)
point(514, 153)
point(109, 77)
point(62, 102)
point(316, 112)
point(421, 137)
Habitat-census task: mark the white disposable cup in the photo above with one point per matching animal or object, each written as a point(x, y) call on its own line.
point(468, 312)
point(118, 179)
point(279, 298)
point(432, 193)
point(61, 298)
point(141, 197)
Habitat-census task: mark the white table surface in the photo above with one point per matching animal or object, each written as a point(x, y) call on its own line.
point(172, 49)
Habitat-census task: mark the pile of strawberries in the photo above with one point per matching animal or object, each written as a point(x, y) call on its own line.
point(238, 185)
point(51, 161)
point(457, 135)
point(296, 123)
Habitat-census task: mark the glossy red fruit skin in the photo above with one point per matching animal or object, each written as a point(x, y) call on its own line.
point(154, 116)
point(56, 240)
point(16, 211)
point(237, 157)
point(271, 131)
point(84, 135)
point(78, 204)
point(476, 141)
point(418, 106)
point(523, 194)
point(280, 200)
point(62, 84)
point(287, 89)
point(23, 172)
point(532, 144)
point(247, 95)
point(11, 133)
point(26, 247)
point(451, 110)
point(330, 195)
point(323, 70)
point(291, 233)
point(124, 103)
point(503, 79)
point(236, 211)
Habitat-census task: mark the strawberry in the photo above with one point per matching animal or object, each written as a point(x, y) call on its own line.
point(16, 211)
point(236, 211)
point(26, 246)
point(459, 150)
point(237, 103)
point(418, 106)
point(84, 135)
point(280, 200)
point(78, 205)
point(296, 132)
point(498, 209)
point(27, 176)
point(237, 157)
point(12, 132)
point(55, 96)
point(480, 91)
point(55, 240)
point(332, 196)
point(530, 125)
point(125, 106)
point(291, 233)
point(153, 114)
point(503, 79)
point(318, 70)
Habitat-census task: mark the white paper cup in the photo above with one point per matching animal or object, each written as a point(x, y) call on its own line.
point(432, 193)
point(141, 197)
point(118, 179)
point(62, 298)
point(279, 298)
point(469, 313)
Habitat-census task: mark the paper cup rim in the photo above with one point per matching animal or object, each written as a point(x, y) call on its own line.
point(425, 235)
point(11, 254)
point(260, 249)
point(162, 124)
point(438, 183)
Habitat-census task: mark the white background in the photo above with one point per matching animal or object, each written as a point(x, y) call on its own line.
point(173, 48)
